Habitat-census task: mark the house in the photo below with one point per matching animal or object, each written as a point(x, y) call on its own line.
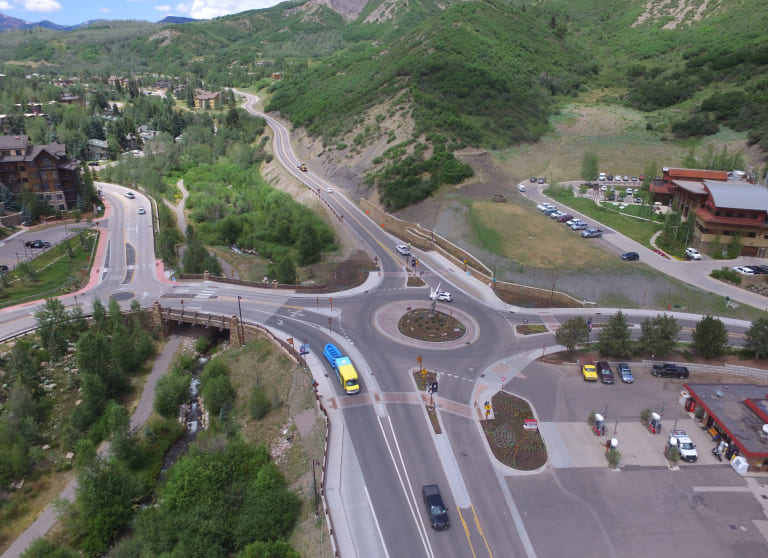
point(206, 99)
point(97, 149)
point(44, 169)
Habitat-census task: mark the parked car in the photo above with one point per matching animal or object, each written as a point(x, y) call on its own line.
point(626, 178)
point(542, 180)
point(743, 270)
point(544, 206)
point(601, 177)
point(573, 221)
point(756, 269)
point(533, 179)
point(3, 268)
point(604, 372)
point(444, 296)
point(564, 217)
point(629, 191)
point(630, 256)
point(668, 370)
point(641, 177)
point(592, 233)
point(634, 179)
point(617, 177)
point(692, 254)
point(521, 187)
point(580, 226)
point(625, 373)
point(403, 249)
point(588, 371)
point(556, 214)
point(610, 177)
point(638, 200)
point(37, 244)
point(612, 197)
point(604, 188)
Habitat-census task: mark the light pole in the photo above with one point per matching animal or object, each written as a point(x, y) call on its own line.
point(76, 304)
point(240, 311)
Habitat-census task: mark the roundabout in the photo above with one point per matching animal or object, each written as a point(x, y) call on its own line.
point(408, 323)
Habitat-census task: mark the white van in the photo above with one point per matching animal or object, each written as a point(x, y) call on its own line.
point(521, 187)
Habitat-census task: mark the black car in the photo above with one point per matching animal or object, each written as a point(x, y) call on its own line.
point(438, 515)
point(604, 372)
point(37, 244)
point(533, 179)
point(669, 370)
point(630, 256)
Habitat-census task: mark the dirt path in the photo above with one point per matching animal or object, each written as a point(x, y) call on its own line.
point(46, 520)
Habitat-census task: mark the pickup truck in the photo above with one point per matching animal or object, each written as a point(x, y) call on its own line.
point(685, 445)
point(438, 515)
point(668, 370)
point(592, 233)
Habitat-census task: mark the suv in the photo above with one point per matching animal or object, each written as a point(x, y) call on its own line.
point(692, 254)
point(668, 370)
point(604, 372)
point(625, 373)
point(592, 233)
point(438, 515)
point(444, 296)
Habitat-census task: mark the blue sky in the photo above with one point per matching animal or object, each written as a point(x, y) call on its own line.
point(72, 12)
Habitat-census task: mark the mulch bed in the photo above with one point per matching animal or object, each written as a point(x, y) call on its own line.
point(418, 324)
point(510, 443)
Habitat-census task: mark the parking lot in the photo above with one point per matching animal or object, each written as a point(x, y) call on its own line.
point(563, 401)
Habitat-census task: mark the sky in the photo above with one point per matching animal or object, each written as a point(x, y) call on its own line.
point(73, 12)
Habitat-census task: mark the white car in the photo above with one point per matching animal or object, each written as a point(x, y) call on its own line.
point(743, 270)
point(444, 296)
point(545, 206)
point(130, 195)
point(403, 249)
point(141, 211)
point(629, 191)
point(329, 190)
point(573, 221)
point(604, 187)
point(692, 254)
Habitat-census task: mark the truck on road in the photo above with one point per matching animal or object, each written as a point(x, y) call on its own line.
point(345, 372)
point(438, 515)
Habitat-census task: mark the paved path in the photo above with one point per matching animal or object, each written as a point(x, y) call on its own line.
point(48, 518)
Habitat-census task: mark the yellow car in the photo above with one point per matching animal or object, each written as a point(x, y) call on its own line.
point(589, 371)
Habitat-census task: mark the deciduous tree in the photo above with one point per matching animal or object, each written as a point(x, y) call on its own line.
point(756, 338)
point(710, 338)
point(572, 332)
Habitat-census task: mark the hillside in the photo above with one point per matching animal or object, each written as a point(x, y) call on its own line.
point(410, 83)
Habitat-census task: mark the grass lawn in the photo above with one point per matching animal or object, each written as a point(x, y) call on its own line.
point(53, 273)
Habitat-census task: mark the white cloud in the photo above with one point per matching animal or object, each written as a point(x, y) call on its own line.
point(5, 5)
point(208, 9)
point(181, 8)
point(42, 6)
point(165, 8)
point(104, 10)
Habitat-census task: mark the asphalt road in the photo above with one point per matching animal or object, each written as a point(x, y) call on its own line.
point(494, 512)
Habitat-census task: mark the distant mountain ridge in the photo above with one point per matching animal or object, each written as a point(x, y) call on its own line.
point(7, 23)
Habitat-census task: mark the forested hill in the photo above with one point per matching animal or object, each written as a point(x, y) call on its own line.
point(485, 73)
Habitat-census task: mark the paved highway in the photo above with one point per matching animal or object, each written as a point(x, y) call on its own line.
point(389, 447)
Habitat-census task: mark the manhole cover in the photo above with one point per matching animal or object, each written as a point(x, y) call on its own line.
point(122, 296)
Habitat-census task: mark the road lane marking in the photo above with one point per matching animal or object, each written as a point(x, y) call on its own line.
point(466, 531)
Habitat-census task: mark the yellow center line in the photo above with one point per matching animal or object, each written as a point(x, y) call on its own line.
point(466, 532)
point(480, 530)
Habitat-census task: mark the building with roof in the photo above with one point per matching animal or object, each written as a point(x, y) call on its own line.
point(735, 414)
point(206, 99)
point(724, 208)
point(43, 169)
point(97, 149)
